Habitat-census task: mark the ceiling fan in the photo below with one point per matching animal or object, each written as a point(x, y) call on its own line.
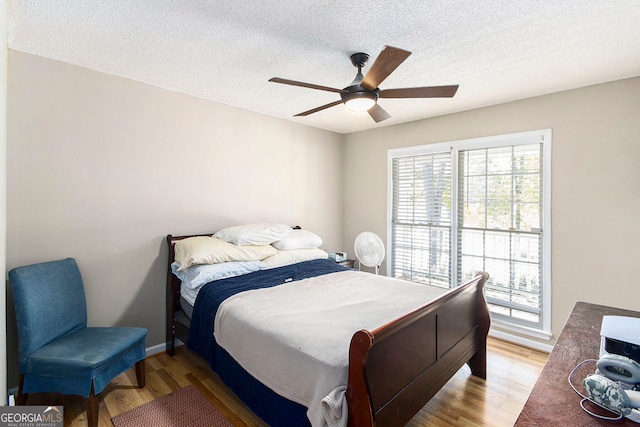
point(363, 92)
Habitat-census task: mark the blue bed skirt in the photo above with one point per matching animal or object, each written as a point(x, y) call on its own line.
point(274, 409)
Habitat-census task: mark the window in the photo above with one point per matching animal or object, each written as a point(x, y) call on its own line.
point(482, 204)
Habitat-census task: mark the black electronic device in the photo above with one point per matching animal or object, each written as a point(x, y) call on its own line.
point(630, 350)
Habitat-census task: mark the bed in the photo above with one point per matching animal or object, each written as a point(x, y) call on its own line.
point(392, 370)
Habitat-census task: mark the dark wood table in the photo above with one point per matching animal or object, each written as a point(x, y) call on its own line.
point(552, 401)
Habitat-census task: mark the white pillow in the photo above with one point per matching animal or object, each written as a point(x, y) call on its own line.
point(210, 250)
point(293, 256)
point(196, 276)
point(298, 239)
point(253, 234)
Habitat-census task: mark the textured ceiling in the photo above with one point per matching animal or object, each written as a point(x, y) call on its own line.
point(226, 51)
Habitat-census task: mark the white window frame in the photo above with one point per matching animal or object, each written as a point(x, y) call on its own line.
point(543, 136)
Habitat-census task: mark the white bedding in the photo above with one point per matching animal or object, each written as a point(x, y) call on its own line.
point(295, 337)
point(189, 295)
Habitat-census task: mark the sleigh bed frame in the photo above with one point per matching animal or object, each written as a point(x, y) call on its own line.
point(393, 370)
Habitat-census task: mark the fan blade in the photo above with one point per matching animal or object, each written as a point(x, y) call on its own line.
point(378, 113)
point(315, 110)
point(303, 84)
point(420, 92)
point(389, 59)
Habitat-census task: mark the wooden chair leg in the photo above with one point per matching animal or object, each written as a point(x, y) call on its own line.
point(22, 397)
point(93, 406)
point(140, 373)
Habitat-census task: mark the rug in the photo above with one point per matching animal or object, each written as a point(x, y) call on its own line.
point(182, 408)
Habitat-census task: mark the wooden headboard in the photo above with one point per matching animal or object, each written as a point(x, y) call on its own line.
point(177, 325)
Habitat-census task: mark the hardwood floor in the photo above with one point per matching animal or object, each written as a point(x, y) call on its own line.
point(464, 401)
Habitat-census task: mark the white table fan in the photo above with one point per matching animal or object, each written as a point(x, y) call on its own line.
point(369, 250)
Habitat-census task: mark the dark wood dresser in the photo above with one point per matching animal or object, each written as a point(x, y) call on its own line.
point(552, 401)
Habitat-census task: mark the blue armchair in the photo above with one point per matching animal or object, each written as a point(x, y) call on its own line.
point(57, 352)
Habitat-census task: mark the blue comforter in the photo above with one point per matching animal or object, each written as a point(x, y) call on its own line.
point(211, 295)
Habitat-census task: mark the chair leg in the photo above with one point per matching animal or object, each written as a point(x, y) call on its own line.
point(22, 397)
point(93, 406)
point(140, 373)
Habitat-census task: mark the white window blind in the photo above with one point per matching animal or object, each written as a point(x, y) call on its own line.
point(499, 226)
point(476, 205)
point(422, 218)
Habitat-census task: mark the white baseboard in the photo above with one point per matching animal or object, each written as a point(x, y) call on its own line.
point(156, 349)
point(160, 348)
point(526, 342)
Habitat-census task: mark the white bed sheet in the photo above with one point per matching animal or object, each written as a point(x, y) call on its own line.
point(189, 294)
point(295, 337)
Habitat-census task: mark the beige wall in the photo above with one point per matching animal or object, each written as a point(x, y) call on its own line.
point(102, 168)
point(3, 199)
point(595, 183)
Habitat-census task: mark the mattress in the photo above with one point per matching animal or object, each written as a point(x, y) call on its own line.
point(186, 306)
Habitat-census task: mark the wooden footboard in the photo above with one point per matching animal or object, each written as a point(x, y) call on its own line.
point(395, 369)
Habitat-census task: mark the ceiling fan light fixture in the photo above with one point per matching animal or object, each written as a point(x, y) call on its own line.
point(363, 92)
point(359, 102)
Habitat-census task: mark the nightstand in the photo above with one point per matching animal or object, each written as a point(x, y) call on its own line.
point(347, 263)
